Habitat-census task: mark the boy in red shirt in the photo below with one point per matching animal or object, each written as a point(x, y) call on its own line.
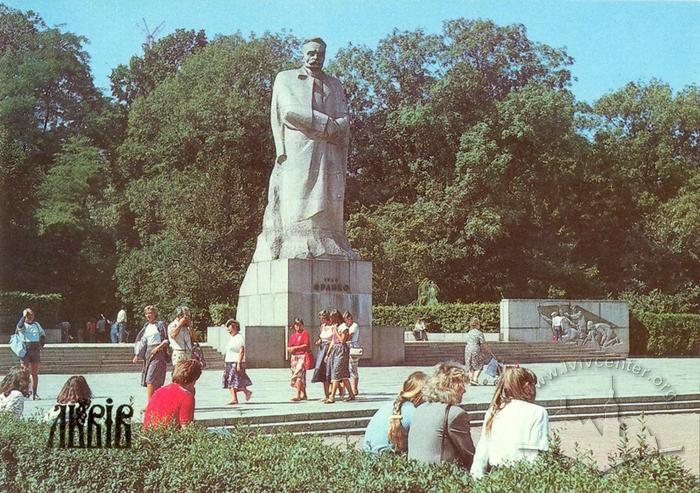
point(174, 403)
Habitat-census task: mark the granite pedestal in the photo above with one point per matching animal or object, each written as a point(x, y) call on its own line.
point(275, 292)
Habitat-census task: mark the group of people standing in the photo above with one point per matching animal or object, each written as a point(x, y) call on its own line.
point(337, 359)
point(426, 421)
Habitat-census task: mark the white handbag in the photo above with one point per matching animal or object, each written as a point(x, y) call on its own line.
point(355, 352)
point(18, 345)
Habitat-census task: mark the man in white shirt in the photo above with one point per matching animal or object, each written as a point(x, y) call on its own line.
point(121, 323)
point(180, 335)
point(354, 342)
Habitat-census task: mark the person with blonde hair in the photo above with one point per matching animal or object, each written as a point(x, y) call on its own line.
point(514, 427)
point(35, 338)
point(151, 347)
point(440, 427)
point(388, 429)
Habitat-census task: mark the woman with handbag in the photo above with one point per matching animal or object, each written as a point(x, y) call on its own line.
point(338, 359)
point(235, 377)
point(323, 343)
point(152, 347)
point(35, 339)
point(299, 348)
point(440, 427)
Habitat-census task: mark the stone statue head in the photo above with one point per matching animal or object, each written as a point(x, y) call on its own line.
point(314, 54)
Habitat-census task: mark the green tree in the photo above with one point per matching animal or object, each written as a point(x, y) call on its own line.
point(158, 62)
point(72, 226)
point(46, 97)
point(645, 161)
point(193, 172)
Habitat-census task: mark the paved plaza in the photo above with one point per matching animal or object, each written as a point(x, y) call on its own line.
point(679, 433)
point(271, 390)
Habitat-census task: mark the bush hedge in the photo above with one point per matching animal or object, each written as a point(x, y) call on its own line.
point(444, 317)
point(195, 460)
point(46, 306)
point(667, 334)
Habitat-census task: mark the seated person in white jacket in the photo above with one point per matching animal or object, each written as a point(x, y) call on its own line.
point(14, 389)
point(514, 428)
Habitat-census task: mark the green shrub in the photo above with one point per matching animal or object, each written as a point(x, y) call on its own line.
point(220, 312)
point(667, 334)
point(46, 306)
point(196, 460)
point(445, 317)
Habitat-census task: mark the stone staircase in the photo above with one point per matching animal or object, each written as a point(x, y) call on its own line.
point(354, 422)
point(92, 358)
point(430, 353)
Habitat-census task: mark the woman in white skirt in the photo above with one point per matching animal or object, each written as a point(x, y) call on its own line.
point(235, 377)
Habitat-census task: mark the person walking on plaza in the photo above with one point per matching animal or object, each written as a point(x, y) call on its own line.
point(299, 348)
point(235, 377)
point(173, 405)
point(152, 347)
point(122, 324)
point(388, 429)
point(14, 389)
point(181, 335)
point(323, 343)
point(440, 428)
point(355, 349)
point(476, 351)
point(35, 338)
point(338, 359)
point(514, 427)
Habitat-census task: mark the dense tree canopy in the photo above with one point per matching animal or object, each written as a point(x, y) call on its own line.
point(471, 165)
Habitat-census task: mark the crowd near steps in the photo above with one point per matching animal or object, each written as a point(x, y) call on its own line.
point(430, 353)
point(354, 422)
point(92, 358)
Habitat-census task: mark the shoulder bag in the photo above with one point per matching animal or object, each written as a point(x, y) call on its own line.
point(445, 434)
point(18, 345)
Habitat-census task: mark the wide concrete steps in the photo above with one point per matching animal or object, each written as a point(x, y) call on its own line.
point(354, 422)
point(430, 353)
point(92, 358)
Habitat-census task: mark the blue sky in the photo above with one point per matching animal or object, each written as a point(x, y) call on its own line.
point(612, 42)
